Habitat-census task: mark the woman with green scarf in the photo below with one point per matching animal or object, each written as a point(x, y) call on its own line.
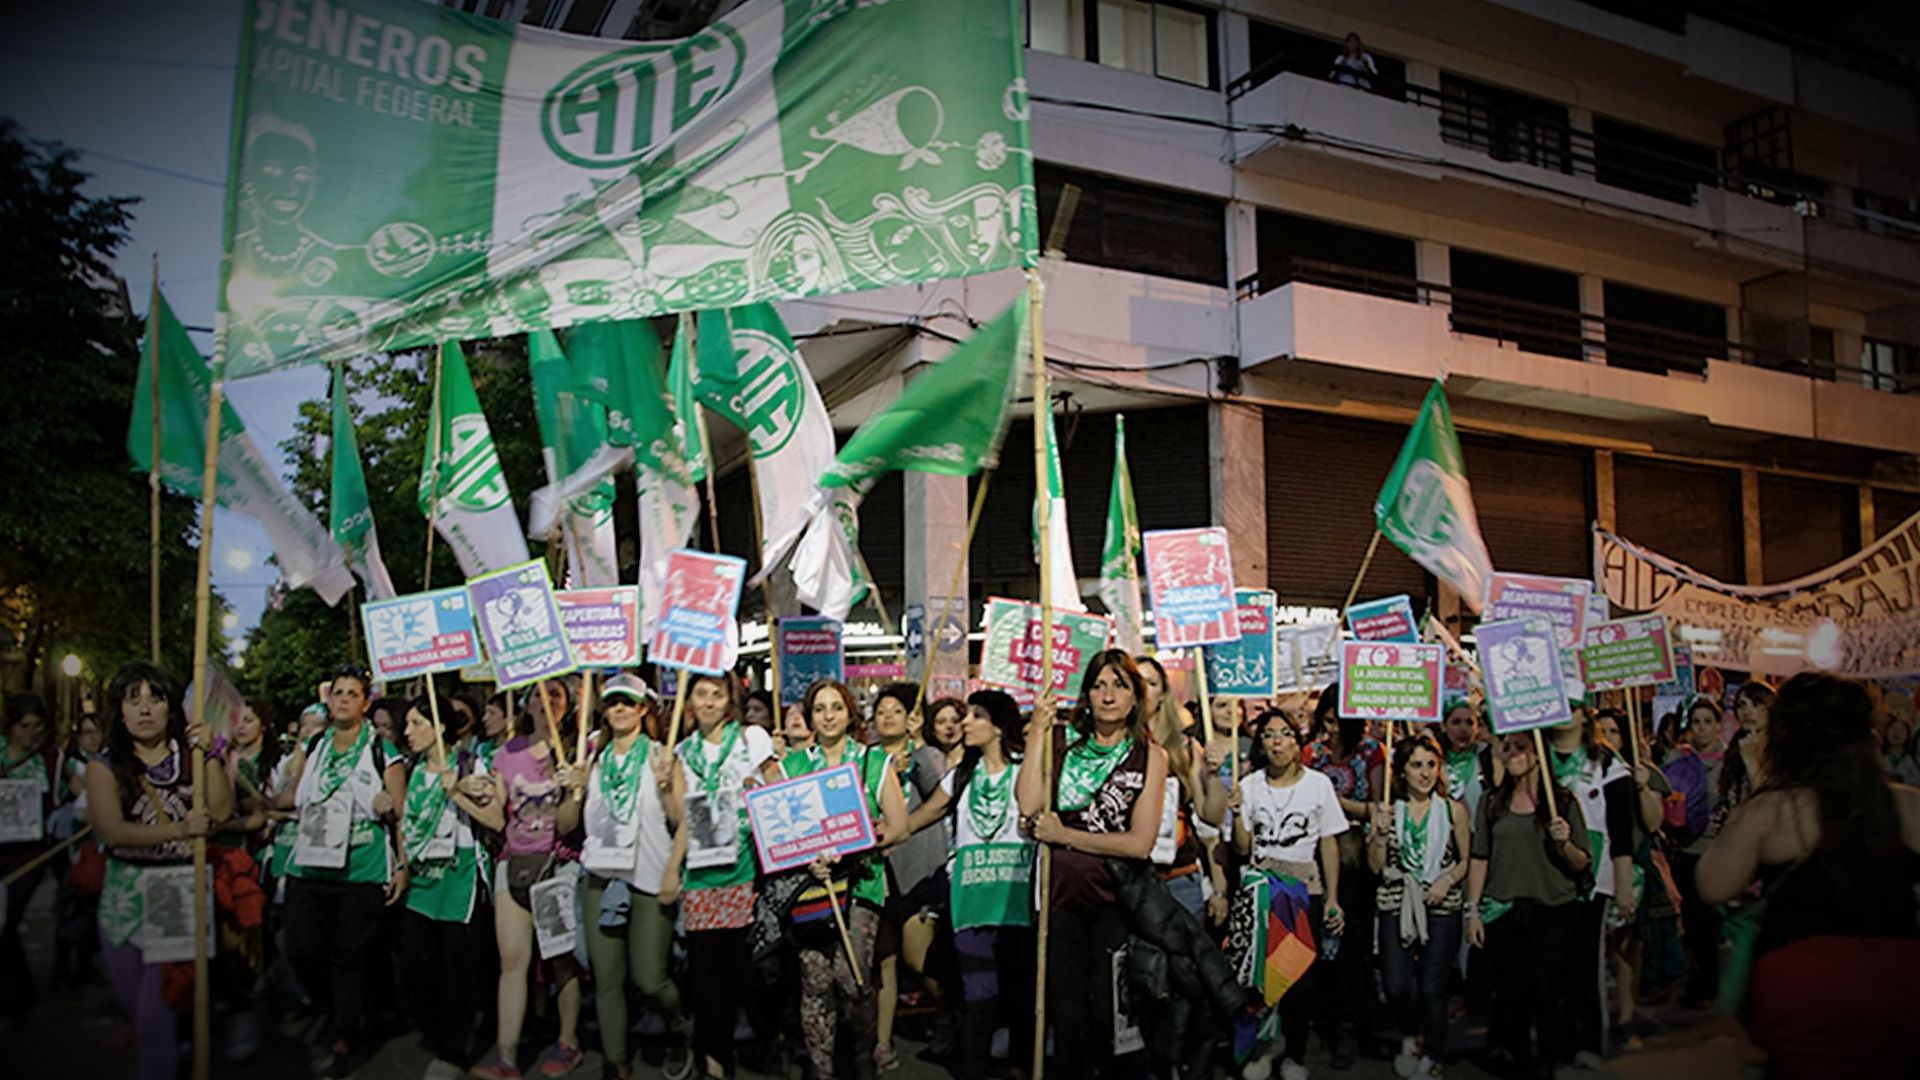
point(1109, 780)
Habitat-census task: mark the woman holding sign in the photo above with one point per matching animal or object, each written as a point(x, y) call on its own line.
point(991, 884)
point(448, 871)
point(140, 798)
point(348, 786)
point(540, 796)
point(718, 763)
point(828, 985)
point(1418, 844)
point(1529, 866)
point(1105, 804)
point(632, 858)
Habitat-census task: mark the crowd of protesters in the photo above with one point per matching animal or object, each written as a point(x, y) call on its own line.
point(520, 890)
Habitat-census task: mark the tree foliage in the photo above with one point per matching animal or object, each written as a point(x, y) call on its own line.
point(74, 536)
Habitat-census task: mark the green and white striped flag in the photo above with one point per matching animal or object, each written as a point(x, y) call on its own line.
point(405, 173)
point(473, 509)
point(1066, 586)
point(1120, 561)
point(573, 432)
point(245, 483)
point(1426, 508)
point(352, 524)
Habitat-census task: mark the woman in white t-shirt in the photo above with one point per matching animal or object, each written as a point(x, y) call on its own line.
point(1286, 816)
point(632, 856)
point(990, 878)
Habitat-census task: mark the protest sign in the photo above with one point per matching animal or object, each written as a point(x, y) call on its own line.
point(520, 624)
point(810, 650)
point(1390, 619)
point(697, 630)
point(602, 625)
point(1304, 657)
point(1010, 657)
point(224, 705)
point(1190, 581)
point(1244, 668)
point(1391, 680)
point(421, 633)
point(1561, 601)
point(882, 670)
point(1627, 652)
point(798, 820)
point(1525, 687)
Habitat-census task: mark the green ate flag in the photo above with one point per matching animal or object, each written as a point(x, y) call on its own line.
point(1426, 507)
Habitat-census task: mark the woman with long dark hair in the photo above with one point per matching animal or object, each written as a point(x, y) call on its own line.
point(30, 762)
point(1418, 844)
point(1531, 864)
point(832, 985)
point(1287, 820)
point(913, 864)
point(1837, 851)
point(1108, 785)
point(140, 799)
point(720, 760)
point(990, 882)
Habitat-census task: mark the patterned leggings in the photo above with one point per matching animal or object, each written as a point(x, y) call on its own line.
point(828, 993)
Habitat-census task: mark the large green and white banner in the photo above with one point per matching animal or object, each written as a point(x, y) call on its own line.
point(403, 173)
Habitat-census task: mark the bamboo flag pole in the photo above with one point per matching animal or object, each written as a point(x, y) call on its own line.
point(1633, 726)
point(1043, 509)
point(586, 714)
point(880, 608)
point(433, 526)
point(953, 587)
point(26, 868)
point(1366, 561)
point(1206, 704)
point(679, 712)
point(202, 624)
point(846, 940)
point(153, 466)
point(1545, 767)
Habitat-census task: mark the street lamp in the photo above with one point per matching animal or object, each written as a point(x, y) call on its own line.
point(70, 667)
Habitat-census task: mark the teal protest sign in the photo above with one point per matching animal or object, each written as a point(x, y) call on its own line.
point(1245, 668)
point(403, 172)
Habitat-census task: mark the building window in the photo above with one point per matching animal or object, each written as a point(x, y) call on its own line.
point(1889, 365)
point(1274, 50)
point(1636, 159)
point(1505, 125)
point(1659, 332)
point(1151, 37)
point(1535, 308)
point(1293, 248)
point(1127, 226)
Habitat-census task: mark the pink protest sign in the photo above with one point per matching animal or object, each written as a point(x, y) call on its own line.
point(602, 625)
point(1190, 580)
point(696, 629)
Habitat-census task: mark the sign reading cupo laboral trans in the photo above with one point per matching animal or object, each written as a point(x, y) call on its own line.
point(404, 172)
point(422, 633)
point(1391, 680)
point(521, 623)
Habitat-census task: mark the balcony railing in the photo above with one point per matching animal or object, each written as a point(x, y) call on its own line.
point(1558, 331)
point(1549, 143)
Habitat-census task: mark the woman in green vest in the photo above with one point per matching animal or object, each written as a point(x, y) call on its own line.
point(448, 869)
point(827, 982)
point(348, 787)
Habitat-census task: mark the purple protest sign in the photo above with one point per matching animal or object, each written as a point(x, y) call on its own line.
point(1525, 687)
point(520, 623)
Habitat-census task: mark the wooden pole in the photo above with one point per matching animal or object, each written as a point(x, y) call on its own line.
point(153, 467)
point(679, 711)
point(553, 722)
point(953, 587)
point(880, 608)
point(1044, 752)
point(1353, 591)
point(433, 526)
point(846, 939)
point(766, 582)
point(586, 715)
point(202, 624)
point(713, 502)
point(1545, 768)
point(1206, 704)
point(26, 868)
point(1633, 727)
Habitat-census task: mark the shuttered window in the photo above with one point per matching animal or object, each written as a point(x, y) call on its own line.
point(1535, 505)
point(1890, 508)
point(1323, 473)
point(1688, 513)
point(1805, 525)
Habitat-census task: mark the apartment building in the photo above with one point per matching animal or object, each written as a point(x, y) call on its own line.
point(1667, 255)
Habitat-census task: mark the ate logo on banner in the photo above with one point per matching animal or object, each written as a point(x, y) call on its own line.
point(608, 113)
point(475, 481)
point(769, 399)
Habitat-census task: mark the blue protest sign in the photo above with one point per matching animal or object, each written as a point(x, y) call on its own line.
point(810, 650)
point(1245, 668)
point(422, 633)
point(795, 821)
point(1390, 619)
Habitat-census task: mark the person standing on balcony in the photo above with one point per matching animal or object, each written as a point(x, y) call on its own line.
point(1354, 66)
